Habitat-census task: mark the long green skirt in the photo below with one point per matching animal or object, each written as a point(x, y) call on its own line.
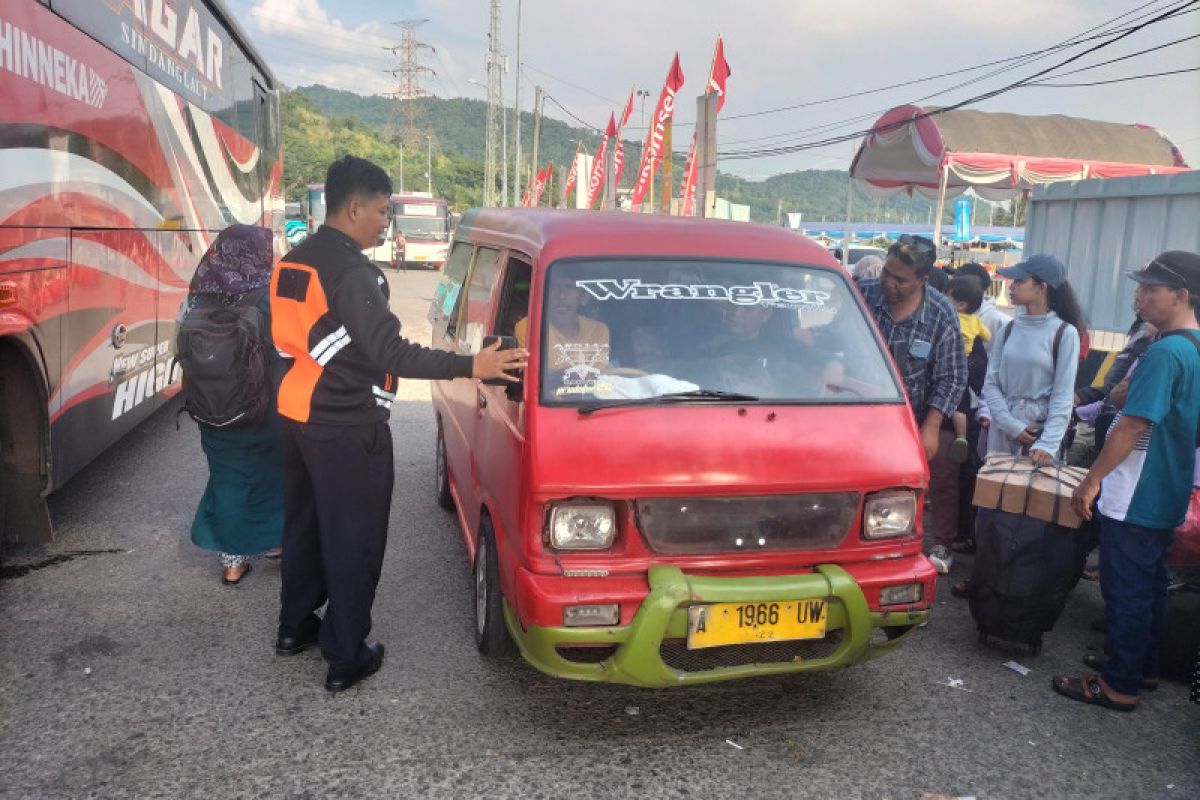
point(241, 512)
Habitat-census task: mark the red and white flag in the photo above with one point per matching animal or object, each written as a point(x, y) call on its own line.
point(572, 175)
point(619, 153)
point(718, 76)
point(539, 185)
point(596, 179)
point(654, 137)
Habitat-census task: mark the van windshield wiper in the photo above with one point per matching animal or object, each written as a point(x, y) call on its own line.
point(705, 395)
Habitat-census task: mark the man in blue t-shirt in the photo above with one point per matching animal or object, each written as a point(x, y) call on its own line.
point(1144, 477)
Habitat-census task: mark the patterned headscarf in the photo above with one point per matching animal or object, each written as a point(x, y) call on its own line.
point(239, 261)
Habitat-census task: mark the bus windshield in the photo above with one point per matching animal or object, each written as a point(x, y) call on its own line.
point(432, 229)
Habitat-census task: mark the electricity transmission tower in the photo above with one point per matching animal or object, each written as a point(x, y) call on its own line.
point(409, 123)
point(493, 158)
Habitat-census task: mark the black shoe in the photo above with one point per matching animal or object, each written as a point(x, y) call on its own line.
point(341, 678)
point(290, 644)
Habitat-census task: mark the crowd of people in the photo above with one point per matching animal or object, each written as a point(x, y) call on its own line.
point(1147, 468)
point(311, 481)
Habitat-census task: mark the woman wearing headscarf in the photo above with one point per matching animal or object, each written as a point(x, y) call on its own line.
point(241, 513)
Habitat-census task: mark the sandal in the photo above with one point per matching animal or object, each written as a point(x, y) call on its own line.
point(960, 451)
point(273, 553)
point(1097, 662)
point(1088, 690)
point(231, 581)
point(1091, 574)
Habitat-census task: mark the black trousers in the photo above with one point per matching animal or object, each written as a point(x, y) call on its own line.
point(337, 493)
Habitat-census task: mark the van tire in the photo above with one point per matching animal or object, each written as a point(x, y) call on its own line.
point(491, 633)
point(442, 472)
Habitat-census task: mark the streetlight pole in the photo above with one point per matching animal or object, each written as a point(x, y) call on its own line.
point(429, 164)
point(517, 114)
point(402, 168)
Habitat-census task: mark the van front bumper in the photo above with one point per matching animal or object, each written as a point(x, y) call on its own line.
point(634, 653)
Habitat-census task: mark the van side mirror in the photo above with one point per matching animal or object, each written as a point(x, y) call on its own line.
point(506, 343)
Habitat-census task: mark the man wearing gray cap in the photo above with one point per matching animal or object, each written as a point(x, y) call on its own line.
point(1144, 476)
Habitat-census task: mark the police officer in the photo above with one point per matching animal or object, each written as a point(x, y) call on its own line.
point(329, 315)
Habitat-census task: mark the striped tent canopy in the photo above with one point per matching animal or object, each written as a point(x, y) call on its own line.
point(999, 155)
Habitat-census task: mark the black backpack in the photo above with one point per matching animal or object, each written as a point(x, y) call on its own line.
point(223, 351)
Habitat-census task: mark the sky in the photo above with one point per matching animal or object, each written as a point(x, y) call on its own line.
point(588, 56)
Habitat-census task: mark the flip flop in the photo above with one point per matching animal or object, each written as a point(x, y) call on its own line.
point(239, 578)
point(1097, 662)
point(1088, 690)
point(273, 553)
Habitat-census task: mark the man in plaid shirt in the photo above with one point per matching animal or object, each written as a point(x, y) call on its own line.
point(921, 329)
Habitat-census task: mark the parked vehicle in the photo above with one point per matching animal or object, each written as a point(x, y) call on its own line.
point(676, 491)
point(419, 233)
point(118, 172)
point(856, 254)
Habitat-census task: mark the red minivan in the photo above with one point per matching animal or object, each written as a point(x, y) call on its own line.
point(708, 470)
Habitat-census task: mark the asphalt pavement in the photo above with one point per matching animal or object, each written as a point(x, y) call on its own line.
point(128, 670)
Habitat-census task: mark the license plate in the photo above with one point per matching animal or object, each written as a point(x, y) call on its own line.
point(742, 623)
point(420, 258)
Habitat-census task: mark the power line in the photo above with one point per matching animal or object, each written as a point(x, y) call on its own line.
point(1045, 85)
point(793, 148)
point(1131, 55)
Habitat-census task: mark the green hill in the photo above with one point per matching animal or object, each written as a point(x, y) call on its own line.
point(321, 123)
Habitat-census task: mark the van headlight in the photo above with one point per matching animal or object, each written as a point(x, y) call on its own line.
point(582, 525)
point(890, 513)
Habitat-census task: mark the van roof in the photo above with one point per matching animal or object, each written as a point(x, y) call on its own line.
point(551, 234)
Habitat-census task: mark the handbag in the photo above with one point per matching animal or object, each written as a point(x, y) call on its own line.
point(1185, 552)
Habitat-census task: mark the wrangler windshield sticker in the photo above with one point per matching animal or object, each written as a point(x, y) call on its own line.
point(760, 293)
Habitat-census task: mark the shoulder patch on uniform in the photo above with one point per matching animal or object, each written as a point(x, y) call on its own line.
point(380, 279)
point(293, 284)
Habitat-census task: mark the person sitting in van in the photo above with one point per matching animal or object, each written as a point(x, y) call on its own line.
point(567, 326)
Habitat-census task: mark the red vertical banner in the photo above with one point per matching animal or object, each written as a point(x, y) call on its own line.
point(619, 153)
point(654, 137)
point(539, 185)
point(596, 179)
point(718, 76)
point(572, 175)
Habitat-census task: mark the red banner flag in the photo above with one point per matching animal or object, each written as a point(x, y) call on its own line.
point(539, 185)
point(654, 137)
point(628, 112)
point(619, 161)
point(718, 76)
point(572, 174)
point(596, 180)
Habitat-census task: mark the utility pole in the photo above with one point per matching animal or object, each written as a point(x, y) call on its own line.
point(429, 165)
point(401, 167)
point(706, 155)
point(495, 108)
point(537, 130)
point(517, 114)
point(414, 122)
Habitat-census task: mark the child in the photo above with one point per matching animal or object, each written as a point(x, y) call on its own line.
point(967, 296)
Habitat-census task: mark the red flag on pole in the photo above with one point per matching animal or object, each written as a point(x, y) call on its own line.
point(718, 75)
point(596, 180)
point(540, 184)
point(627, 113)
point(654, 137)
point(572, 174)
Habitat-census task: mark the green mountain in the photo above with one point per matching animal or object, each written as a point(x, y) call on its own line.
point(321, 124)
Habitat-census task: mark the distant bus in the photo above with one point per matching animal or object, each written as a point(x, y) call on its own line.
point(424, 222)
point(131, 133)
point(312, 206)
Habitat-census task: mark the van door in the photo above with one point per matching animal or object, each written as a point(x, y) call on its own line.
point(500, 430)
point(465, 401)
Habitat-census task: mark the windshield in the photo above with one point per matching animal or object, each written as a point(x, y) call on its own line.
point(620, 330)
point(428, 228)
point(316, 206)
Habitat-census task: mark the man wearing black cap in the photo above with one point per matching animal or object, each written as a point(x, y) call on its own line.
point(1144, 476)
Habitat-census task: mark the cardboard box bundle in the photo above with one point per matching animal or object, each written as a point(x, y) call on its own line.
point(1015, 485)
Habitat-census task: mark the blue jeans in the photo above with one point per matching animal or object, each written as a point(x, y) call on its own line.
point(1133, 580)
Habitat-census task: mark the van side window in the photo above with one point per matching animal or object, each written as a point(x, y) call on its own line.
point(454, 274)
point(514, 299)
point(478, 313)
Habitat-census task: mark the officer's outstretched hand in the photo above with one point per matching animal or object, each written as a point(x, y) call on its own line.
point(492, 362)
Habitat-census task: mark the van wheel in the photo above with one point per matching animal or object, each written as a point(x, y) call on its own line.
point(491, 634)
point(442, 473)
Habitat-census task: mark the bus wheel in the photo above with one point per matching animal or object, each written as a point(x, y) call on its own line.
point(24, 516)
